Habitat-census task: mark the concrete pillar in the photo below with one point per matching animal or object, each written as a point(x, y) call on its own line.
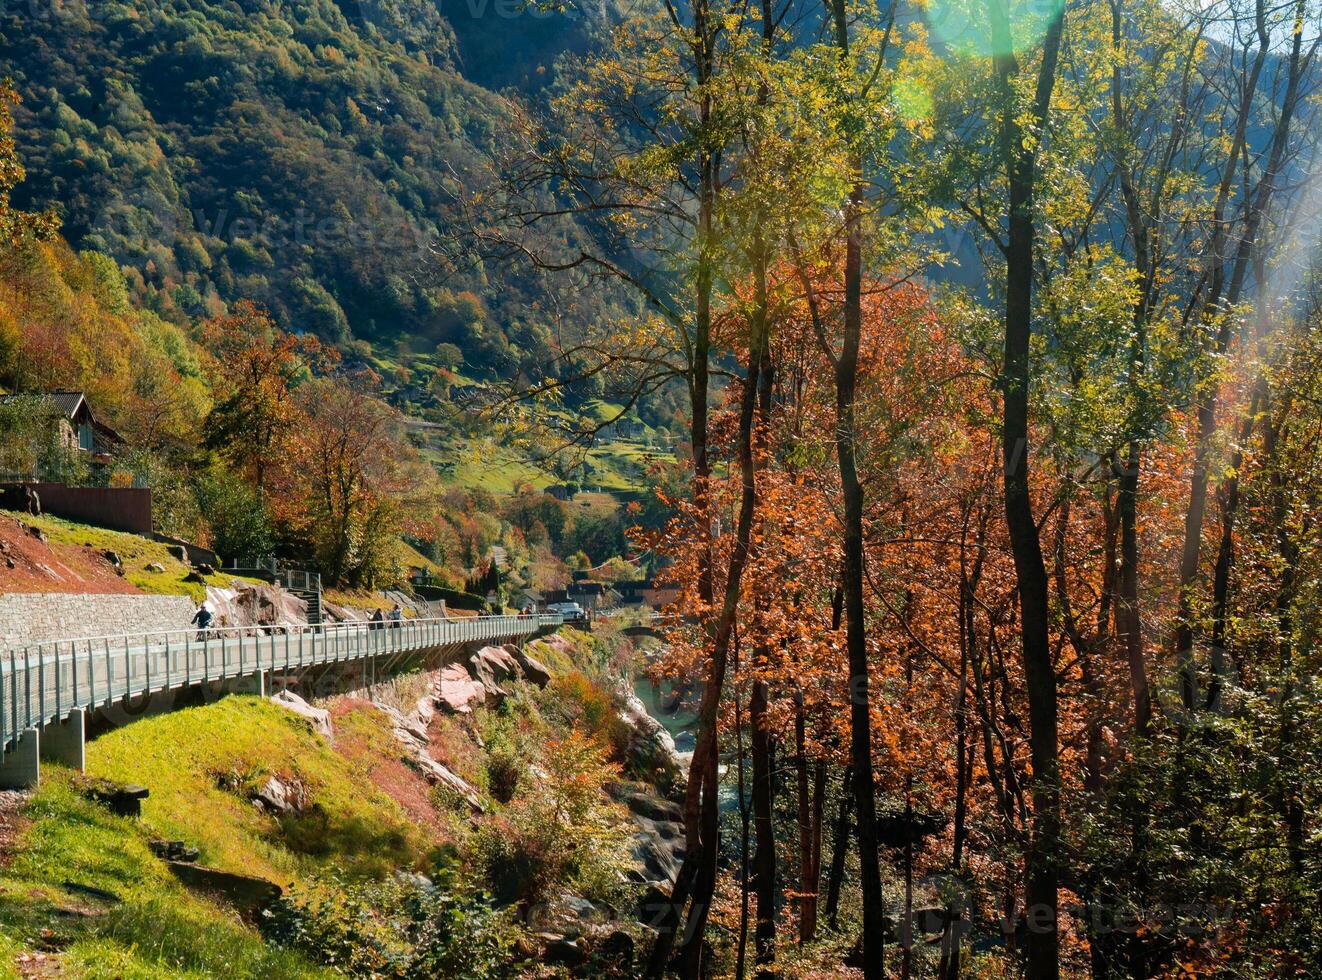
point(20, 768)
point(65, 741)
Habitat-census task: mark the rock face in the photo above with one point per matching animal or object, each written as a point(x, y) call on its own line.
point(659, 839)
point(248, 604)
point(457, 692)
point(493, 667)
point(411, 733)
point(651, 747)
point(318, 718)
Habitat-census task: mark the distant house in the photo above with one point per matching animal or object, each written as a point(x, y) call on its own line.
point(79, 429)
point(646, 592)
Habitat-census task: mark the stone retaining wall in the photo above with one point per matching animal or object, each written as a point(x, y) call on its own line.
point(38, 617)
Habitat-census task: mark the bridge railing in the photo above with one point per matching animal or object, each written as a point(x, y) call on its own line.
point(44, 682)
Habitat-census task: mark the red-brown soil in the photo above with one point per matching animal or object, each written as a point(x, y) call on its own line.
point(28, 564)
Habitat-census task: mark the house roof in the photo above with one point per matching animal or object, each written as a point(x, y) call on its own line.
point(65, 402)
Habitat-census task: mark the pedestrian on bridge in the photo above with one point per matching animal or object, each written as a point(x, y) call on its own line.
point(396, 616)
point(376, 621)
point(202, 619)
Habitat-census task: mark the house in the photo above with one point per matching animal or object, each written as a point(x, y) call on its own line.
point(647, 592)
point(79, 429)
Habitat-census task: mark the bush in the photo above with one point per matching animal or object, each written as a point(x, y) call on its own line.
point(587, 706)
point(241, 528)
point(567, 833)
point(404, 926)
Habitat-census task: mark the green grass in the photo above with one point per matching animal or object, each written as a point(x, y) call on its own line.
point(200, 764)
point(157, 929)
point(135, 554)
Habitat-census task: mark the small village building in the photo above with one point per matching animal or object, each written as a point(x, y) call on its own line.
point(78, 428)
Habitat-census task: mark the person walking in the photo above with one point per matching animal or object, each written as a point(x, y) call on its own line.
point(396, 616)
point(377, 621)
point(202, 620)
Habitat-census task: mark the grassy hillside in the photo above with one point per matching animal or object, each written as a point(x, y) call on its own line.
point(83, 547)
point(82, 894)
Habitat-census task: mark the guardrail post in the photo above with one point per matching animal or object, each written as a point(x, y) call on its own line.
point(41, 682)
point(57, 681)
point(110, 675)
point(4, 715)
point(91, 675)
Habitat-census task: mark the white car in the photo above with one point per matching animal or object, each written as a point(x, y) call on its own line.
point(568, 610)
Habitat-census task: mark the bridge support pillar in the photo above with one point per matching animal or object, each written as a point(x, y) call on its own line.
point(65, 741)
point(20, 768)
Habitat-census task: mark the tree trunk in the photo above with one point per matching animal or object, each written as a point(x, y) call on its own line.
point(764, 855)
point(1020, 160)
point(838, 850)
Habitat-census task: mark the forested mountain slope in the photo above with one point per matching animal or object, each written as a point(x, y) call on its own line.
point(301, 154)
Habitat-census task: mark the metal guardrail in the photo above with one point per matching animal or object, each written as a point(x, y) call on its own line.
point(45, 682)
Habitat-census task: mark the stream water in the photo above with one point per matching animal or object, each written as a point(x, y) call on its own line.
point(681, 722)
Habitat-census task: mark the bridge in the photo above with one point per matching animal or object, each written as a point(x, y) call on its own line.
point(49, 690)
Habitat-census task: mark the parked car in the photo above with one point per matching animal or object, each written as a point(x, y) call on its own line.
point(567, 610)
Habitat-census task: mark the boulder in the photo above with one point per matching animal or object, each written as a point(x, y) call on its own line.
point(534, 671)
point(113, 558)
point(494, 666)
point(457, 692)
point(617, 952)
point(279, 797)
point(318, 718)
point(155, 567)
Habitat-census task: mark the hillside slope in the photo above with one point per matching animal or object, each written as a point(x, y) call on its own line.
point(300, 154)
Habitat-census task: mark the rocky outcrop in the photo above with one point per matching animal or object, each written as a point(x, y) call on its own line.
point(659, 846)
point(318, 718)
point(494, 667)
point(411, 733)
point(251, 604)
point(534, 671)
point(652, 749)
point(457, 692)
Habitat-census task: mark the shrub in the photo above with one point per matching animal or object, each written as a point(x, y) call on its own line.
point(405, 926)
point(565, 834)
point(588, 706)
